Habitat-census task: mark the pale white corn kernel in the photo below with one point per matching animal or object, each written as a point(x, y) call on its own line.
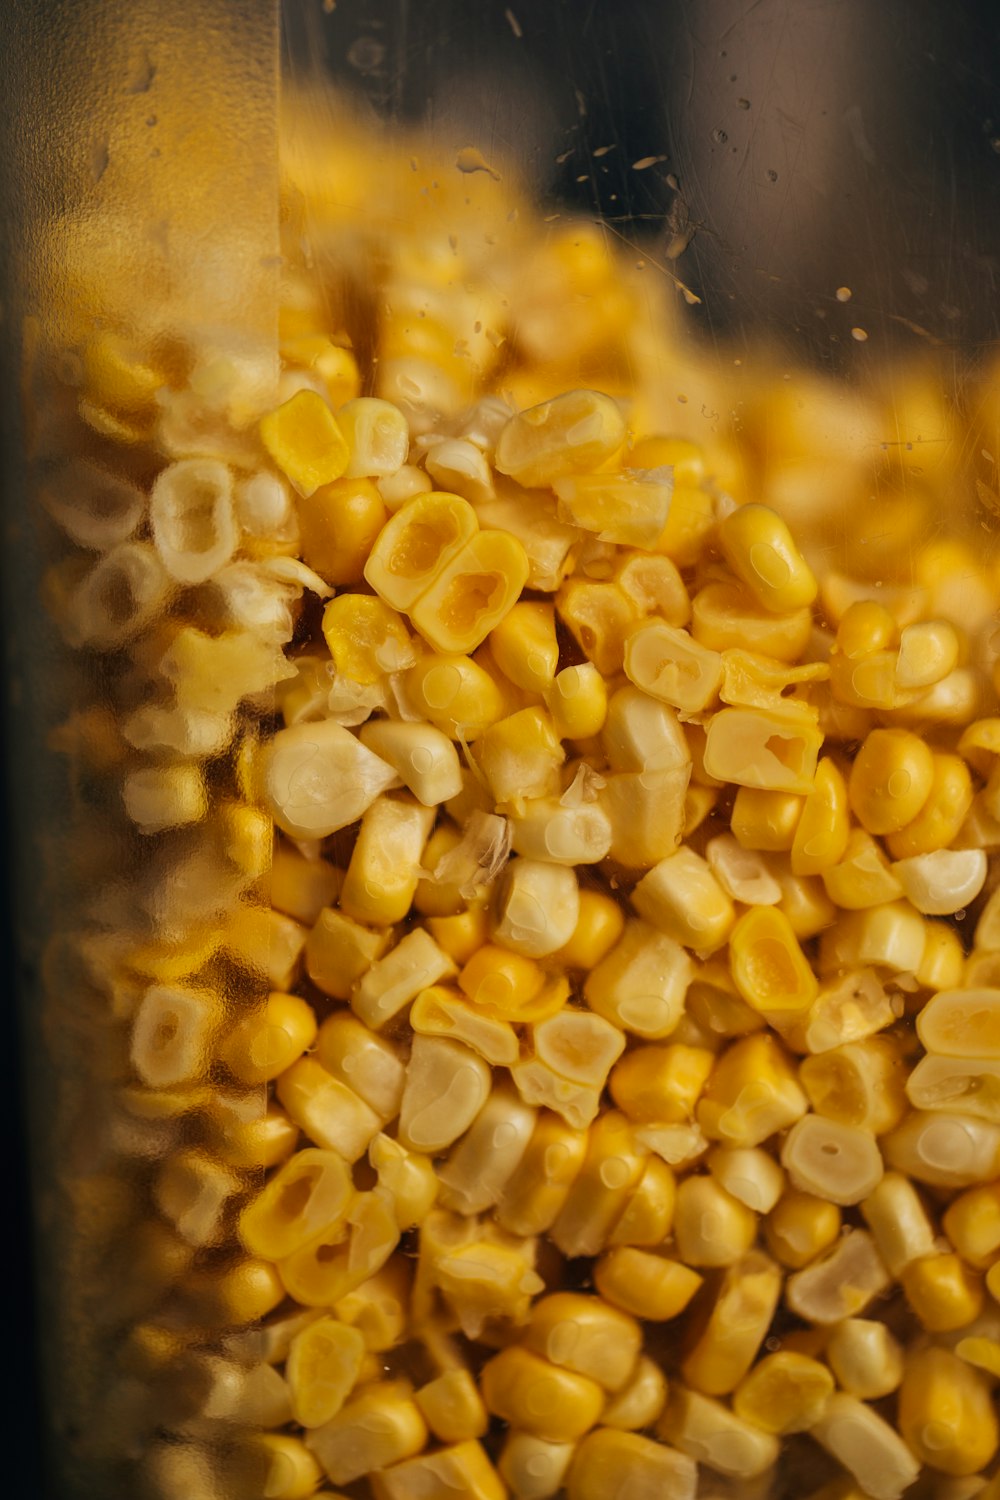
point(446, 1087)
point(970, 1084)
point(459, 467)
point(834, 1161)
point(944, 881)
point(742, 873)
point(121, 594)
point(393, 981)
point(711, 1227)
point(570, 434)
point(646, 813)
point(890, 936)
point(711, 1434)
point(485, 422)
point(667, 662)
point(191, 732)
point(252, 599)
point(544, 828)
point(677, 1145)
point(847, 1009)
point(681, 897)
point(397, 488)
point(437, 1012)
point(96, 508)
point(748, 1174)
point(160, 797)
point(539, 1084)
point(318, 778)
point(481, 1164)
point(640, 985)
point(384, 869)
point(962, 1023)
point(377, 435)
point(867, 1446)
point(424, 759)
point(579, 1046)
point(327, 1110)
point(537, 907)
point(944, 1150)
point(547, 542)
point(171, 1034)
point(367, 1063)
point(841, 1284)
point(640, 1400)
point(192, 1190)
point(642, 733)
point(532, 1468)
point(191, 514)
point(865, 1358)
point(263, 504)
point(629, 508)
point(269, 1342)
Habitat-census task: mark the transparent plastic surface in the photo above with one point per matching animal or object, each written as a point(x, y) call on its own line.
point(517, 939)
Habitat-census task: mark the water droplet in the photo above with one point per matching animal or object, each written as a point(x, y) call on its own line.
point(859, 335)
point(366, 54)
point(995, 144)
point(844, 294)
point(720, 137)
point(743, 104)
point(772, 175)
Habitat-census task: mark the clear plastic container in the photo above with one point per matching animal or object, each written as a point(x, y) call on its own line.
point(501, 591)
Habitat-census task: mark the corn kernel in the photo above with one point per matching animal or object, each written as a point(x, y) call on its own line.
point(641, 1399)
point(611, 1169)
point(800, 1227)
point(303, 438)
point(533, 1468)
point(446, 1087)
point(577, 701)
point(863, 877)
point(831, 1160)
point(667, 663)
point(416, 543)
point(751, 1093)
point(379, 1307)
point(538, 1397)
point(944, 1149)
point(944, 1293)
point(452, 1407)
point(339, 951)
point(407, 1177)
point(867, 1447)
point(535, 1194)
point(653, 1470)
point(681, 897)
point(264, 1045)
point(786, 1392)
point(367, 1063)
point(323, 1365)
point(640, 984)
point(735, 1328)
point(654, 586)
point(765, 820)
point(600, 618)
point(318, 778)
point(890, 780)
point(599, 925)
point(711, 1434)
point(859, 1084)
point(972, 1223)
point(276, 1465)
point(767, 751)
point(646, 811)
point(455, 694)
point(379, 1426)
point(743, 874)
point(471, 592)
point(760, 550)
point(841, 1284)
point(172, 1033)
point(749, 1175)
point(946, 1413)
point(768, 966)
point(524, 646)
point(310, 1192)
point(942, 813)
point(822, 831)
point(334, 1263)
point(726, 616)
point(571, 434)
point(865, 1358)
point(711, 1227)
point(653, 1084)
point(338, 526)
point(326, 1110)
point(585, 1335)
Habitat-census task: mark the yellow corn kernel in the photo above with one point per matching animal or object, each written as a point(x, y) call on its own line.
point(535, 1194)
point(762, 553)
point(643, 734)
point(891, 779)
point(942, 965)
point(928, 651)
point(407, 1177)
point(500, 983)
point(599, 925)
point(585, 1335)
point(711, 1434)
point(524, 646)
point(446, 1087)
point(946, 1412)
point(532, 1468)
point(641, 1399)
point(379, 1307)
point(456, 694)
point(310, 1192)
point(744, 874)
point(865, 1358)
point(339, 951)
point(276, 1465)
point(578, 1046)
point(800, 1227)
point(944, 810)
point(861, 1084)
point(303, 438)
point(786, 1392)
point(652, 1469)
point(366, 638)
point(872, 1451)
point(265, 1043)
point(726, 616)
point(752, 1092)
point(520, 756)
point(338, 525)
point(335, 1261)
point(452, 1407)
point(769, 968)
point(765, 820)
point(371, 1066)
point(832, 1160)
point(730, 1338)
point(264, 1140)
point(326, 1110)
point(323, 1366)
point(863, 877)
point(972, 1223)
point(640, 984)
point(578, 702)
point(416, 543)
point(864, 629)
point(336, 366)
point(666, 662)
point(267, 943)
point(629, 507)
point(611, 1169)
point(547, 828)
point(571, 434)
point(654, 1084)
point(384, 868)
point(646, 811)
point(423, 757)
point(962, 1023)
point(460, 935)
point(711, 1227)
point(243, 1292)
point(541, 1398)
point(689, 523)
point(462, 1469)
point(749, 1174)
point(192, 1191)
point(890, 937)
point(471, 592)
point(600, 618)
point(868, 683)
point(649, 1213)
point(840, 1284)
point(379, 1426)
point(681, 897)
point(767, 751)
point(822, 831)
point(943, 1292)
point(439, 1011)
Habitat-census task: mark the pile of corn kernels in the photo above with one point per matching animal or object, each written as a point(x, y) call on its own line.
point(531, 1022)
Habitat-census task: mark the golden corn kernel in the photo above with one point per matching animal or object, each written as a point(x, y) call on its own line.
point(711, 1227)
point(471, 592)
point(972, 1223)
point(604, 1456)
point(943, 1292)
point(310, 1192)
point(585, 1335)
point(535, 1194)
point(571, 434)
point(942, 813)
point(654, 585)
point(532, 1468)
point(863, 877)
point(520, 756)
point(462, 1469)
point(767, 751)
point(711, 1434)
point(439, 1011)
point(681, 897)
point(860, 1084)
point(761, 552)
point(379, 1307)
point(785, 1392)
point(264, 1044)
point(384, 868)
point(338, 525)
point(629, 507)
point(946, 1413)
point(600, 618)
point(598, 927)
point(277, 1465)
point(524, 646)
point(335, 1261)
point(379, 1426)
point(800, 1227)
point(500, 983)
point(577, 701)
point(323, 1365)
point(669, 664)
point(303, 438)
point(640, 984)
point(726, 616)
point(460, 935)
point(822, 831)
point(736, 1326)
point(752, 1092)
point(641, 1399)
point(452, 1407)
point(864, 629)
point(765, 820)
point(415, 544)
point(339, 951)
point(454, 693)
point(942, 964)
point(891, 778)
point(612, 1167)
point(654, 1084)
point(541, 1398)
point(768, 966)
point(407, 1177)
point(326, 1110)
point(865, 1358)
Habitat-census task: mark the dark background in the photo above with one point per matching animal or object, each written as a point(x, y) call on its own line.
point(805, 145)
